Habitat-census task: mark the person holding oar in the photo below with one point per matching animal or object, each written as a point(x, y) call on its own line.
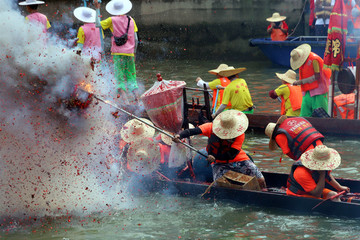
point(124, 43)
point(226, 135)
point(309, 174)
point(218, 85)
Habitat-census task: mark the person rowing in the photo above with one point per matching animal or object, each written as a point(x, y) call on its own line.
point(226, 135)
point(293, 135)
point(309, 174)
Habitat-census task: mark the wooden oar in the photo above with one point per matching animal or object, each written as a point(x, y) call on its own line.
point(330, 198)
point(139, 119)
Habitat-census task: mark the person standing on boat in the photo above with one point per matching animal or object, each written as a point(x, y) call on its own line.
point(218, 85)
point(237, 93)
point(226, 135)
point(293, 135)
point(313, 79)
point(34, 15)
point(278, 29)
point(309, 175)
point(123, 48)
point(355, 13)
point(89, 42)
point(323, 10)
point(290, 96)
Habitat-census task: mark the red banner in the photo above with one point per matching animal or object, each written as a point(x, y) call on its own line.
point(336, 40)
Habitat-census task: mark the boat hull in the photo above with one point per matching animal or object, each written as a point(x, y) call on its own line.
point(279, 51)
point(268, 199)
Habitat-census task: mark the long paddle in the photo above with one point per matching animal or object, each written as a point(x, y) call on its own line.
point(216, 100)
point(139, 119)
point(330, 198)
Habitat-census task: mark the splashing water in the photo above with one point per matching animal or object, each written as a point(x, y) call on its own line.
point(53, 161)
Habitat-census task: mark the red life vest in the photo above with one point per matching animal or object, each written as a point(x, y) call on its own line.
point(307, 70)
point(224, 81)
point(295, 98)
point(300, 135)
point(294, 186)
point(220, 149)
point(278, 35)
point(343, 105)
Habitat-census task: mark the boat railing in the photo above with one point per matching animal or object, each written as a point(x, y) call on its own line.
point(309, 38)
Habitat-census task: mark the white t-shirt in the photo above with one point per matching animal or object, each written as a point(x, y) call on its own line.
point(320, 21)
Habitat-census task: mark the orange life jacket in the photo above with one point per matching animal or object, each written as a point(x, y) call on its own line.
point(278, 35)
point(295, 99)
point(307, 70)
point(224, 82)
point(341, 102)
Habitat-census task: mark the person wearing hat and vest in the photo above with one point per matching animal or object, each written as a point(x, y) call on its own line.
point(323, 9)
point(218, 85)
point(226, 135)
point(313, 79)
point(278, 29)
point(89, 42)
point(133, 131)
point(123, 52)
point(34, 15)
point(293, 135)
point(237, 93)
point(355, 14)
point(291, 96)
point(309, 175)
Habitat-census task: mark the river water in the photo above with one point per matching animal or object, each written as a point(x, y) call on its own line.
point(159, 216)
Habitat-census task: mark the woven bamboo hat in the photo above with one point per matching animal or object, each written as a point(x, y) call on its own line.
point(230, 124)
point(167, 140)
point(230, 71)
point(276, 18)
point(135, 130)
point(144, 156)
point(85, 14)
point(321, 158)
point(118, 7)
point(269, 130)
point(299, 55)
point(221, 67)
point(289, 76)
point(31, 2)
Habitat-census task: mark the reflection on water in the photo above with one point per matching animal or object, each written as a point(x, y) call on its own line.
point(157, 216)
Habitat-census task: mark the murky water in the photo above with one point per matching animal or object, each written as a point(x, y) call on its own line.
point(158, 216)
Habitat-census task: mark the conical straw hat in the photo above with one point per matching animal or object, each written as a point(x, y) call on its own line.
point(321, 158)
point(230, 124)
point(144, 156)
point(135, 130)
point(289, 76)
point(299, 55)
point(276, 18)
point(269, 130)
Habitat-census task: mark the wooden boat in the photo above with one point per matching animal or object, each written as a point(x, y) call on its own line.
point(274, 198)
point(279, 51)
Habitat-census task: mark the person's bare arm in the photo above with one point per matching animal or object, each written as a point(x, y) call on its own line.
point(319, 186)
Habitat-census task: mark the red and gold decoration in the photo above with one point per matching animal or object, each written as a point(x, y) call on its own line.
point(335, 45)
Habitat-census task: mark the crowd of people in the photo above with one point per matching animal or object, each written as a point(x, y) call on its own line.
point(231, 102)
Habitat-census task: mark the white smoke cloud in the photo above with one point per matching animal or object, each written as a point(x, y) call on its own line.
point(53, 160)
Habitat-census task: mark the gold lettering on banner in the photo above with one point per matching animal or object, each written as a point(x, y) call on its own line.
point(327, 47)
point(336, 47)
